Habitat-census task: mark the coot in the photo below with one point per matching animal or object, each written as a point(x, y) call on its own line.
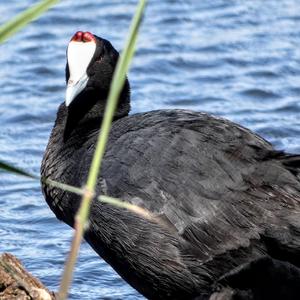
point(225, 204)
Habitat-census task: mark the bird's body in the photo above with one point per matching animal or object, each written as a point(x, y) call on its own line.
point(221, 197)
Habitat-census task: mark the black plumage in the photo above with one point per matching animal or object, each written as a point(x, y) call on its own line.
point(222, 199)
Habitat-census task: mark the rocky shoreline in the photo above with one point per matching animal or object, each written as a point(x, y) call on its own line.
point(17, 283)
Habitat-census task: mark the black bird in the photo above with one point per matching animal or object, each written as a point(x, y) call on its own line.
point(225, 204)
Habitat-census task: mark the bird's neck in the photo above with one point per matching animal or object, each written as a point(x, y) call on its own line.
point(76, 128)
point(70, 147)
point(82, 118)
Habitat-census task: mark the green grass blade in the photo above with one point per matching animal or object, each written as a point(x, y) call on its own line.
point(72, 189)
point(63, 186)
point(14, 170)
point(11, 27)
point(126, 205)
point(17, 171)
point(115, 89)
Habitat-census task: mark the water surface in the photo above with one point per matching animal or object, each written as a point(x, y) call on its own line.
point(237, 59)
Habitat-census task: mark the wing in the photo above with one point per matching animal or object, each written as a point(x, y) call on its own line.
point(220, 186)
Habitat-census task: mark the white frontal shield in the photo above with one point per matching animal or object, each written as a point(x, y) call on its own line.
point(79, 55)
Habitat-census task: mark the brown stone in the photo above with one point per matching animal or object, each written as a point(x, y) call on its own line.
point(17, 283)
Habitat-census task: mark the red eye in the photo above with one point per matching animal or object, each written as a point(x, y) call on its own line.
point(99, 59)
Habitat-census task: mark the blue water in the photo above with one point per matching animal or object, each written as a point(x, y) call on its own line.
point(237, 59)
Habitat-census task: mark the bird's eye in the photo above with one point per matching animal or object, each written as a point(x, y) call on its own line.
point(99, 59)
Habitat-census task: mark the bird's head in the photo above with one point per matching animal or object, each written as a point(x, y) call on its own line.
point(91, 61)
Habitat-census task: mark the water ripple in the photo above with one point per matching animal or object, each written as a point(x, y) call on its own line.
point(238, 59)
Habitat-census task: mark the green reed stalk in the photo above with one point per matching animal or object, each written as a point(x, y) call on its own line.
point(75, 190)
point(21, 20)
point(6, 31)
point(115, 89)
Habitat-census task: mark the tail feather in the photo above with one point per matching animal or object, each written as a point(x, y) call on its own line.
point(290, 161)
